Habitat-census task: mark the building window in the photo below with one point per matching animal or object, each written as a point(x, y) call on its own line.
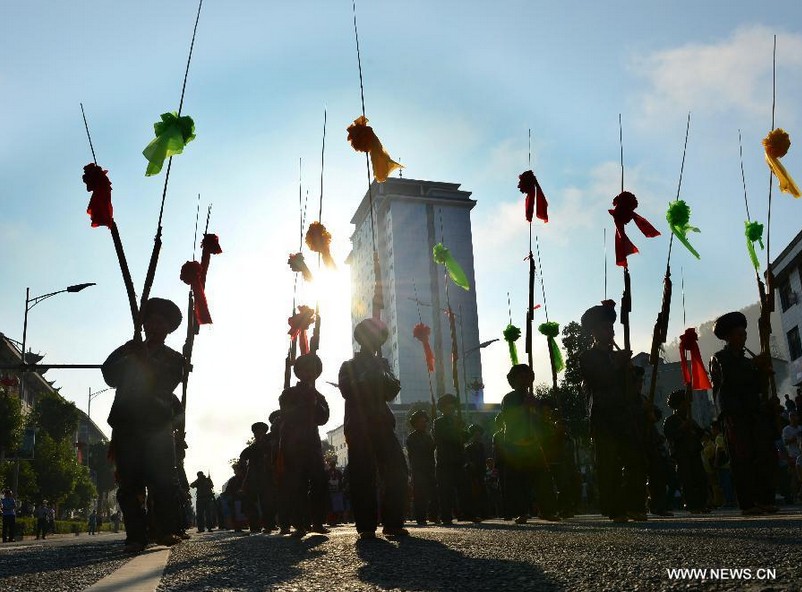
point(794, 344)
point(787, 296)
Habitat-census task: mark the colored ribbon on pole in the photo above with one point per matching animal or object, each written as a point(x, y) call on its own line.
point(623, 212)
point(443, 256)
point(754, 234)
point(192, 275)
point(535, 198)
point(421, 332)
point(678, 217)
point(551, 330)
point(511, 335)
point(697, 375)
point(776, 145)
point(173, 133)
point(363, 139)
point(299, 325)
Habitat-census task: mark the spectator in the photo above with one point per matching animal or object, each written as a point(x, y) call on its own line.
point(790, 406)
point(9, 508)
point(336, 494)
point(115, 521)
point(41, 513)
point(93, 523)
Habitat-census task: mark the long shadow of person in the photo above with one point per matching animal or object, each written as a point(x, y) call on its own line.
point(240, 563)
point(423, 564)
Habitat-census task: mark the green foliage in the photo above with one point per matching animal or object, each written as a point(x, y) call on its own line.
point(55, 416)
point(575, 341)
point(572, 398)
point(56, 468)
point(98, 461)
point(11, 424)
point(82, 493)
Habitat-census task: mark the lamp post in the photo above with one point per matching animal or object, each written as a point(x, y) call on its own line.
point(29, 304)
point(92, 396)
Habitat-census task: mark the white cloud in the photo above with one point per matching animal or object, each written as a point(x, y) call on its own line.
point(732, 74)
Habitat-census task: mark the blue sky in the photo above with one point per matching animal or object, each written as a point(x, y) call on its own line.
point(450, 88)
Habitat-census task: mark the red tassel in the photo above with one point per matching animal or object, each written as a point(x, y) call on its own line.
point(210, 245)
point(318, 239)
point(535, 198)
point(623, 211)
point(298, 264)
point(299, 324)
point(192, 275)
point(100, 210)
point(697, 376)
point(421, 332)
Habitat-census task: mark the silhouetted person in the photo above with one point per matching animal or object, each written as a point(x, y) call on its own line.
point(255, 459)
point(420, 451)
point(738, 384)
point(145, 375)
point(204, 501)
point(526, 472)
point(684, 437)
point(303, 409)
point(367, 385)
point(607, 377)
point(449, 442)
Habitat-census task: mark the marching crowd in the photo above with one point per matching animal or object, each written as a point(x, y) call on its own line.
point(283, 483)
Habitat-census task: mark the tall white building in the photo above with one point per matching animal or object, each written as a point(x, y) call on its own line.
point(410, 217)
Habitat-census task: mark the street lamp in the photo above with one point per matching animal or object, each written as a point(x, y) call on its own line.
point(29, 304)
point(92, 396)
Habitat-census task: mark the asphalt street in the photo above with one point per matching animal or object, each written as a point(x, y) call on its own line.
point(583, 553)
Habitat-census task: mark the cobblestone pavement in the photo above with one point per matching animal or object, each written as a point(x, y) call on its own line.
point(584, 553)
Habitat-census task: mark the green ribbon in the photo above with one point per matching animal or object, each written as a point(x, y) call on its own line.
point(754, 233)
point(678, 216)
point(511, 335)
point(442, 255)
point(551, 330)
point(173, 133)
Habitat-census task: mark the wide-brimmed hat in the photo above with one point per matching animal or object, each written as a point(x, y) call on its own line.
point(676, 398)
point(518, 370)
point(599, 314)
point(164, 308)
point(310, 363)
point(371, 333)
point(447, 399)
point(727, 322)
point(259, 426)
point(416, 415)
point(475, 428)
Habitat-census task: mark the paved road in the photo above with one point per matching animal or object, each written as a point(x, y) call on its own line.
point(584, 553)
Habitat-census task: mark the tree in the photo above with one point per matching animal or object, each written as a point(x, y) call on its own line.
point(101, 466)
point(572, 398)
point(11, 424)
point(56, 416)
point(83, 491)
point(56, 468)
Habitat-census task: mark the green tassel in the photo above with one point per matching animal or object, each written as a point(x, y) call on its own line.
point(551, 330)
point(511, 335)
point(754, 233)
point(679, 216)
point(173, 133)
point(442, 255)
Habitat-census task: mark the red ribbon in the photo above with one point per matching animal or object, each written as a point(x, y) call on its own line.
point(210, 245)
point(697, 375)
point(192, 275)
point(100, 210)
point(534, 195)
point(299, 323)
point(421, 332)
point(623, 211)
